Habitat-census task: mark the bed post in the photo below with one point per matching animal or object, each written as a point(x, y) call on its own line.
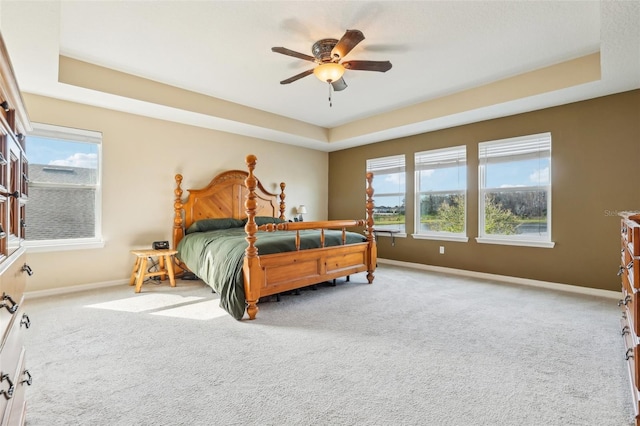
point(371, 237)
point(252, 271)
point(178, 230)
point(282, 205)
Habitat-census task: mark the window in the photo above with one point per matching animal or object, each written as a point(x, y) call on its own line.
point(515, 191)
point(390, 189)
point(64, 188)
point(441, 184)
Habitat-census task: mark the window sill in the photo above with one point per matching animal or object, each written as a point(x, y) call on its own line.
point(443, 237)
point(514, 242)
point(62, 245)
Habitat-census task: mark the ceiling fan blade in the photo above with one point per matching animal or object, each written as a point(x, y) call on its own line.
point(297, 77)
point(348, 41)
point(380, 66)
point(339, 85)
point(295, 54)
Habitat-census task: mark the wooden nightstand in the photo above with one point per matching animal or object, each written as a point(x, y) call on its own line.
point(165, 266)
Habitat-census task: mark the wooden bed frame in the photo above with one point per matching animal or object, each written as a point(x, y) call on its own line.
point(239, 194)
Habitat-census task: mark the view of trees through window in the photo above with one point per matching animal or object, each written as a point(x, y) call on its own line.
point(516, 212)
point(514, 193)
point(390, 190)
point(442, 213)
point(441, 184)
point(506, 213)
point(515, 187)
point(389, 212)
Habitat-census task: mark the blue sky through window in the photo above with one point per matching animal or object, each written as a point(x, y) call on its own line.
point(518, 173)
point(62, 153)
point(446, 179)
point(499, 175)
point(389, 183)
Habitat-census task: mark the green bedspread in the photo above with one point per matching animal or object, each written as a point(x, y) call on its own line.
point(216, 257)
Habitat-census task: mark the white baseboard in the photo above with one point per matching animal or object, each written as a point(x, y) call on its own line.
point(460, 272)
point(506, 279)
point(72, 289)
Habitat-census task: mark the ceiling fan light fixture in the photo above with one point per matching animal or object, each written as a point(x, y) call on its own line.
point(329, 72)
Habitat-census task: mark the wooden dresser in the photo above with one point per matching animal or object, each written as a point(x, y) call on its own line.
point(629, 271)
point(14, 191)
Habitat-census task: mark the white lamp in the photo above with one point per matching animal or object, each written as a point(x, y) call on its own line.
point(301, 210)
point(329, 72)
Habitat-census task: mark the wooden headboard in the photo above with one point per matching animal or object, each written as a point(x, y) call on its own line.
point(223, 197)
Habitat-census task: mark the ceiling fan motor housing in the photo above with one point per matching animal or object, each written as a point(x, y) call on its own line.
point(321, 49)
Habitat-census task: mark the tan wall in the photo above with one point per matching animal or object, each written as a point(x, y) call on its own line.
point(595, 172)
point(140, 158)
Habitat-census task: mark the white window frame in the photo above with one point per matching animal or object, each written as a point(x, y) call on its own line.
point(517, 148)
point(388, 165)
point(436, 159)
point(74, 135)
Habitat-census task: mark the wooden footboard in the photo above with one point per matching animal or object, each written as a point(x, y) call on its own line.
point(289, 271)
point(275, 273)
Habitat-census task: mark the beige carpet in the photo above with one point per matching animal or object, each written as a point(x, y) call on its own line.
point(414, 348)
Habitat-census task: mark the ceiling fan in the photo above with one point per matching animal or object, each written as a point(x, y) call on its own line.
point(328, 54)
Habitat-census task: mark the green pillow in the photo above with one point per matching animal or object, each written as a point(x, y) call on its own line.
point(204, 225)
point(261, 220)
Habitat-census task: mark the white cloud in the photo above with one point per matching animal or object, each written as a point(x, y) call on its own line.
point(396, 179)
point(78, 159)
point(540, 176)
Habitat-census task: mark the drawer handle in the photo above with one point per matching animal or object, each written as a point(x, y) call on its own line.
point(29, 379)
point(628, 354)
point(624, 301)
point(14, 194)
point(26, 268)
point(25, 321)
point(14, 306)
point(8, 394)
point(625, 330)
point(620, 270)
point(630, 265)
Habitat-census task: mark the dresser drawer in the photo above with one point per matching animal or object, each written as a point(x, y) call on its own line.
point(633, 273)
point(631, 268)
point(632, 355)
point(630, 231)
point(10, 351)
point(12, 285)
point(15, 409)
point(630, 303)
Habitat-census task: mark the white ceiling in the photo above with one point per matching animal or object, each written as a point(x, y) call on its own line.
point(223, 49)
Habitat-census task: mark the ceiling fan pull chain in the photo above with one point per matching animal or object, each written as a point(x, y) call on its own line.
point(330, 103)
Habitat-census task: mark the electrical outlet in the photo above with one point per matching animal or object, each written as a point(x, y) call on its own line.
point(441, 249)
